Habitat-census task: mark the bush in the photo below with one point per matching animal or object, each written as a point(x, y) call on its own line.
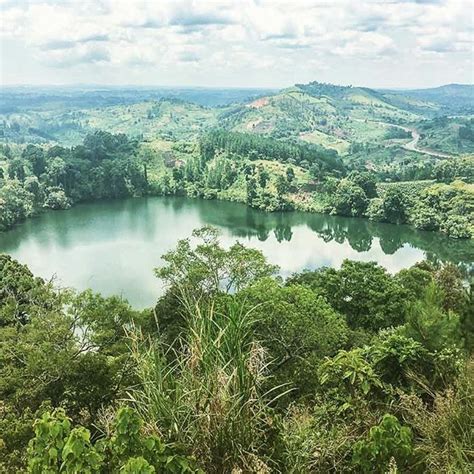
point(57, 447)
point(386, 441)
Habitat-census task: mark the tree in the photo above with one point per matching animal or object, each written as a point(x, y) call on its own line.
point(366, 181)
point(16, 170)
point(282, 186)
point(209, 268)
point(369, 297)
point(395, 205)
point(386, 441)
point(429, 324)
point(56, 171)
point(35, 156)
point(16, 204)
point(349, 200)
point(263, 177)
point(290, 174)
point(56, 199)
point(251, 185)
point(298, 328)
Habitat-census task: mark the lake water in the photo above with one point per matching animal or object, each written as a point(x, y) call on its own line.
point(113, 246)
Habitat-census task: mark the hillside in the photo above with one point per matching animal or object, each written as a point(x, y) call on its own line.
point(346, 119)
point(165, 118)
point(342, 118)
point(335, 117)
point(447, 99)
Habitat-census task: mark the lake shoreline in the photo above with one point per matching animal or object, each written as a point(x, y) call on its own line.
point(297, 208)
point(113, 245)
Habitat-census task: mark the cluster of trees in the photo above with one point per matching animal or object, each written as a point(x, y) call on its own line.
point(235, 370)
point(104, 166)
point(448, 208)
point(255, 147)
point(259, 171)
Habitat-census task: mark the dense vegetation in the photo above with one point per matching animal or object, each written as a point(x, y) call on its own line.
point(104, 166)
point(263, 172)
point(235, 370)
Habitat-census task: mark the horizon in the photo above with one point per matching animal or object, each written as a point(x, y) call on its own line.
point(99, 86)
point(379, 44)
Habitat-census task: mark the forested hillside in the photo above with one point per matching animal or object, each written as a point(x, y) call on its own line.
point(263, 172)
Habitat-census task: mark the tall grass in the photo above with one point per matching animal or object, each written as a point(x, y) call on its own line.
point(205, 392)
point(445, 431)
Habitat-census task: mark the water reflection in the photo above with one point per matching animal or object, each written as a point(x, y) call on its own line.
point(112, 246)
point(358, 233)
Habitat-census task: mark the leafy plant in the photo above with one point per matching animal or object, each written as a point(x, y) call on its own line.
point(386, 441)
point(56, 448)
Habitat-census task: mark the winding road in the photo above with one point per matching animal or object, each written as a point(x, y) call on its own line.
point(413, 144)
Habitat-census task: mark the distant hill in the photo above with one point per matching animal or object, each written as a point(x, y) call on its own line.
point(28, 98)
point(448, 99)
point(343, 118)
point(347, 117)
point(330, 115)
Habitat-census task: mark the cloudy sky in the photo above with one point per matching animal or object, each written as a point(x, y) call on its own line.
point(249, 43)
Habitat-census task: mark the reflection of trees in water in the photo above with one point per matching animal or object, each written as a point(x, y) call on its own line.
point(100, 220)
point(283, 232)
point(243, 221)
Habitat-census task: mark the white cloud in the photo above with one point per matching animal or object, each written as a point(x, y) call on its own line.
point(236, 34)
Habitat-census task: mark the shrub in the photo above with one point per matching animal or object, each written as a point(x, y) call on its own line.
point(57, 448)
point(386, 441)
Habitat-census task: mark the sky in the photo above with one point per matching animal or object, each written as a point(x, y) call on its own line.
point(237, 43)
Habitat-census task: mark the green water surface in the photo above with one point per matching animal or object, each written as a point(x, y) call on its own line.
point(113, 246)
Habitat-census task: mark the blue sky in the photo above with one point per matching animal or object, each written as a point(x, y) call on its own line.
point(237, 43)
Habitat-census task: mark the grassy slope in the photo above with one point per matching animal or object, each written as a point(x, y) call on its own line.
point(172, 119)
point(333, 119)
point(444, 136)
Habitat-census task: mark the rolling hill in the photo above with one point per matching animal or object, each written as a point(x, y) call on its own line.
point(343, 118)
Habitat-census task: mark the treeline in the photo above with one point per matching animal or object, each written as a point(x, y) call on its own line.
point(444, 207)
point(235, 370)
point(253, 147)
point(230, 177)
point(104, 166)
point(262, 172)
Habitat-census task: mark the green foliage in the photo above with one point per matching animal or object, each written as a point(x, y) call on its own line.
point(207, 393)
point(364, 292)
point(57, 448)
point(105, 166)
point(56, 199)
point(395, 206)
point(385, 441)
point(447, 171)
point(16, 204)
point(137, 465)
point(253, 146)
point(395, 357)
point(351, 378)
point(429, 324)
point(238, 371)
point(298, 328)
point(349, 200)
point(209, 268)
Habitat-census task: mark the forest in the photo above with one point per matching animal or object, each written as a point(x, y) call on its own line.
point(236, 370)
point(262, 172)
